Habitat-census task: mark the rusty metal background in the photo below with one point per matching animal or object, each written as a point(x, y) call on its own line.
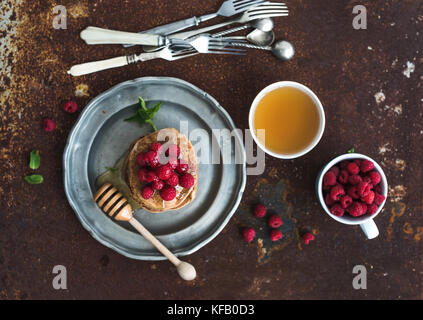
point(348, 69)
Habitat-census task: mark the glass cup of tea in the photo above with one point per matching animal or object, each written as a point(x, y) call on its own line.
point(287, 120)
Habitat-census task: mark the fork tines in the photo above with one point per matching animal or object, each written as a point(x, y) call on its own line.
point(243, 4)
point(223, 46)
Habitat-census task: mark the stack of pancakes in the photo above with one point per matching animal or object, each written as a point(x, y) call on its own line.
point(183, 196)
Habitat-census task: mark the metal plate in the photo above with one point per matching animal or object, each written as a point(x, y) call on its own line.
point(101, 137)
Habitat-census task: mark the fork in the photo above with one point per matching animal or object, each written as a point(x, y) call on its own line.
point(205, 44)
point(228, 9)
point(261, 11)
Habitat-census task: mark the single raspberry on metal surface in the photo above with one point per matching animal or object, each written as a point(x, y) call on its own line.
point(354, 179)
point(329, 179)
point(186, 180)
point(307, 237)
point(168, 193)
point(369, 198)
point(147, 192)
point(173, 180)
point(49, 125)
point(158, 185)
point(366, 166)
point(260, 211)
point(353, 168)
point(343, 177)
point(337, 192)
point(275, 221)
point(375, 177)
point(275, 235)
point(249, 234)
point(346, 201)
point(70, 107)
point(337, 210)
point(379, 199)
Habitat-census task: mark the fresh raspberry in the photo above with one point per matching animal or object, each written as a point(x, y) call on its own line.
point(141, 159)
point(249, 234)
point(164, 172)
point(379, 199)
point(329, 179)
point(366, 166)
point(354, 179)
point(307, 237)
point(186, 180)
point(70, 106)
point(367, 179)
point(151, 176)
point(275, 221)
point(369, 198)
point(151, 158)
point(358, 162)
point(335, 170)
point(337, 192)
point(372, 209)
point(353, 192)
point(173, 180)
point(49, 125)
point(343, 177)
point(378, 189)
point(275, 235)
point(168, 193)
point(158, 185)
point(173, 163)
point(326, 188)
point(353, 168)
point(173, 150)
point(147, 192)
point(182, 167)
point(156, 146)
point(337, 210)
point(344, 164)
point(142, 175)
point(364, 208)
point(375, 177)
point(355, 209)
point(328, 200)
point(260, 211)
point(364, 189)
point(346, 201)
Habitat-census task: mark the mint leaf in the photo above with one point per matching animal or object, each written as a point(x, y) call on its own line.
point(34, 160)
point(352, 150)
point(34, 179)
point(145, 115)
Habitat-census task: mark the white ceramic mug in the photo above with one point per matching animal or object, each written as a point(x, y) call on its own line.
point(309, 93)
point(366, 222)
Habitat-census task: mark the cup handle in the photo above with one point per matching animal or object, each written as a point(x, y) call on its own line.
point(370, 229)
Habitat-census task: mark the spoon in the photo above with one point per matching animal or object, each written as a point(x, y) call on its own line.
point(281, 49)
point(113, 203)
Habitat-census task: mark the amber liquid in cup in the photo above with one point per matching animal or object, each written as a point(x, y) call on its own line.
point(290, 119)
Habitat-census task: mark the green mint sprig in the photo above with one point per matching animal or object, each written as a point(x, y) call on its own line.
point(34, 160)
point(145, 115)
point(34, 179)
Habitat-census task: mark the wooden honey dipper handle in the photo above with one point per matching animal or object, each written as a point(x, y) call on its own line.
point(112, 202)
point(185, 270)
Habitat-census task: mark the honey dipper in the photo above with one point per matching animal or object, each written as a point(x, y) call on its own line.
point(113, 203)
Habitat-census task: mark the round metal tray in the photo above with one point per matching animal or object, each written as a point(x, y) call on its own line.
point(101, 136)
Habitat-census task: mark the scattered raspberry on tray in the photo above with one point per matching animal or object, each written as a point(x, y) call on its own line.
point(249, 234)
point(307, 237)
point(260, 211)
point(49, 125)
point(275, 235)
point(275, 221)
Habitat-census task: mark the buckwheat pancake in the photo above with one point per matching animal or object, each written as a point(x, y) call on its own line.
point(183, 196)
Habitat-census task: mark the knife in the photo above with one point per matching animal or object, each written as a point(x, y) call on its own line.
point(94, 35)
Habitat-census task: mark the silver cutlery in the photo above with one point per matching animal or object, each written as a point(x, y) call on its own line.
point(282, 49)
point(205, 44)
point(228, 9)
